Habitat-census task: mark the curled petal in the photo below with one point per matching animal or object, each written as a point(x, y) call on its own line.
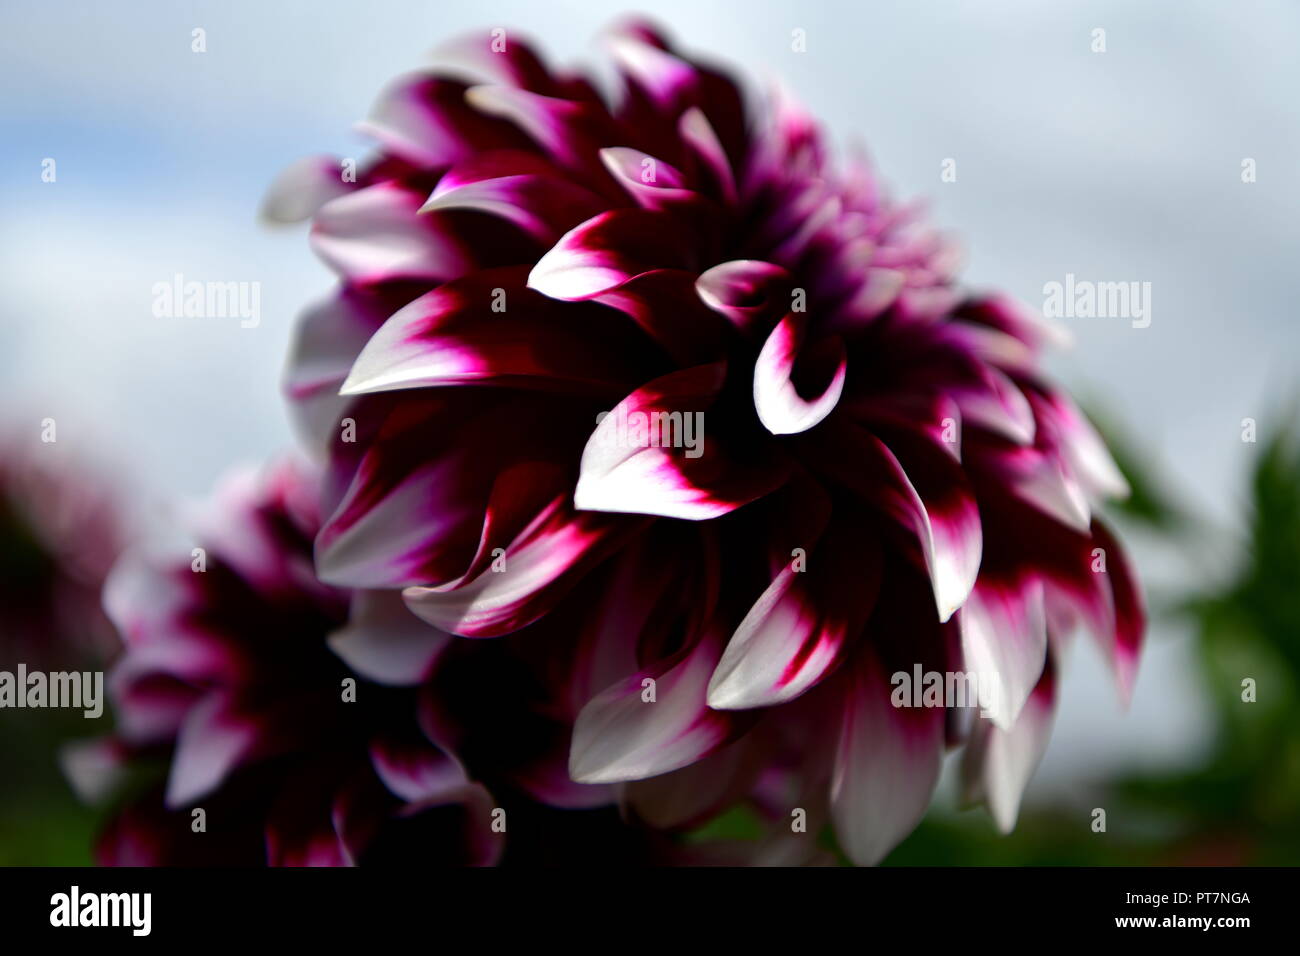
point(408, 516)
point(539, 567)
point(457, 822)
point(623, 734)
point(490, 329)
point(299, 829)
point(393, 529)
point(653, 68)
point(649, 571)
point(751, 294)
point(328, 337)
point(517, 64)
point(521, 187)
point(608, 250)
point(879, 290)
point(652, 182)
point(781, 409)
point(1012, 317)
point(653, 454)
point(414, 770)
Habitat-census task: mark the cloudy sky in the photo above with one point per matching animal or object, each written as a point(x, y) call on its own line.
point(1116, 166)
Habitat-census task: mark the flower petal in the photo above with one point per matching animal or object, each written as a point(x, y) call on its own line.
point(414, 504)
point(608, 250)
point(414, 770)
point(698, 133)
point(930, 498)
point(886, 766)
point(375, 234)
point(665, 305)
point(997, 404)
point(520, 187)
point(213, 740)
point(795, 633)
point(751, 294)
point(1004, 643)
point(998, 763)
point(570, 130)
point(539, 567)
point(780, 406)
point(692, 795)
point(426, 121)
point(621, 735)
point(327, 339)
point(384, 642)
point(1124, 648)
point(302, 188)
point(652, 455)
point(1088, 456)
point(491, 329)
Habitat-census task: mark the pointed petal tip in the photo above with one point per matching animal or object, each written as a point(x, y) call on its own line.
point(587, 771)
point(353, 385)
point(727, 692)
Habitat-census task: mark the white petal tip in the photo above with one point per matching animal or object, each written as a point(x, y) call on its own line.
point(587, 773)
point(727, 695)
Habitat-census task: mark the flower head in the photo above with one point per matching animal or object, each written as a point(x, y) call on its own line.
point(229, 682)
point(661, 370)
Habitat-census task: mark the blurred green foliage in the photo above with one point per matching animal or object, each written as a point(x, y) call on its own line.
point(41, 822)
point(1243, 805)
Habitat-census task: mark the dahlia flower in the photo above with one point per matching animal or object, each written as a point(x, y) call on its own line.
point(228, 680)
point(700, 417)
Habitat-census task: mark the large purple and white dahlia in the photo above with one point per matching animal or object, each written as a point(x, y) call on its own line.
point(655, 384)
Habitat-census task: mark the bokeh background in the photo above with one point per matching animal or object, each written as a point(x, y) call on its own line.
point(1115, 166)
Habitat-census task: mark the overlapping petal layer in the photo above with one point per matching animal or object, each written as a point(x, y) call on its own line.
point(595, 358)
